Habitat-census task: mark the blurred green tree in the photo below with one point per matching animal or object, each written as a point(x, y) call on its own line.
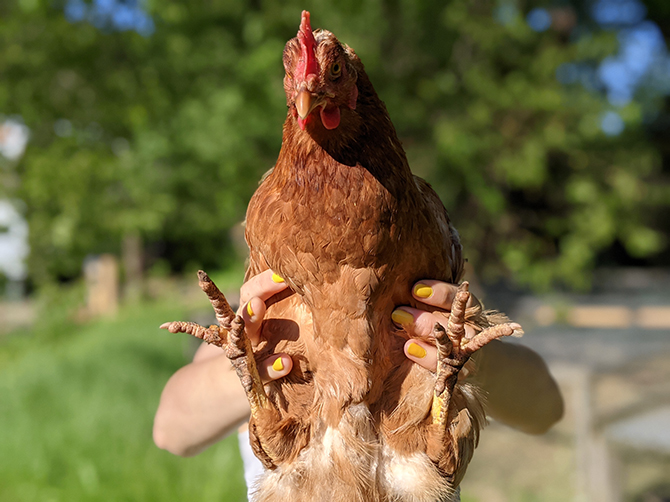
point(166, 134)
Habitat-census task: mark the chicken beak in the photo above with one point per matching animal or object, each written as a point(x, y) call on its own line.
point(304, 103)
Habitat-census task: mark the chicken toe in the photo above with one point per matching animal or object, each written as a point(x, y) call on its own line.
point(215, 335)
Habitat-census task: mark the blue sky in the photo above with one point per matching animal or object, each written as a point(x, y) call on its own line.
point(642, 62)
point(121, 15)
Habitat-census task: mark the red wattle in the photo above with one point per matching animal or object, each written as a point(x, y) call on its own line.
point(330, 116)
point(302, 122)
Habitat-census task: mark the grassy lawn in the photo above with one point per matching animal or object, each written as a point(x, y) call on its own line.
point(76, 412)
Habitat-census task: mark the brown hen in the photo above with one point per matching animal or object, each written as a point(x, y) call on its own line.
point(348, 226)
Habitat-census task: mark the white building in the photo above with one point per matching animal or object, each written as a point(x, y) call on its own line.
point(13, 242)
point(13, 228)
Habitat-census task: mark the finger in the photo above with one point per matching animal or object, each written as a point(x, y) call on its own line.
point(421, 353)
point(275, 367)
point(263, 286)
point(439, 294)
point(419, 323)
point(252, 313)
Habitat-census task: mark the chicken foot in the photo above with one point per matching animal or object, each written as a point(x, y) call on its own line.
point(454, 349)
point(216, 335)
point(273, 439)
point(230, 336)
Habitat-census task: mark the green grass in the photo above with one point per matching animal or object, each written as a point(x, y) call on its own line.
point(76, 412)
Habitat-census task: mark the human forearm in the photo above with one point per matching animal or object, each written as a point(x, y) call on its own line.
point(520, 390)
point(201, 403)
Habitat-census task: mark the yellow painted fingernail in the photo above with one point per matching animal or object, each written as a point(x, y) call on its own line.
point(402, 317)
point(416, 350)
point(423, 291)
point(278, 365)
point(276, 278)
point(250, 310)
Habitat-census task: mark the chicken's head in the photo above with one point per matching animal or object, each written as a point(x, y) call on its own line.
point(320, 79)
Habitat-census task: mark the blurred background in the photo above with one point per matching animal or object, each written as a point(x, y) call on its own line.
point(133, 133)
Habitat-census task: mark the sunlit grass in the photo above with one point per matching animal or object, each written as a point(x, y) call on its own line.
point(76, 416)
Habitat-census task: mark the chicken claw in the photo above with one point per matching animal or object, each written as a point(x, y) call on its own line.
point(454, 350)
point(455, 420)
point(216, 335)
point(222, 310)
point(230, 336)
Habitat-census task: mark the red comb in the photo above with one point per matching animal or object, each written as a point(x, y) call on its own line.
point(307, 64)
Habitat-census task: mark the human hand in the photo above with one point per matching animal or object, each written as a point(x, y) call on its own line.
point(253, 295)
point(419, 323)
point(520, 390)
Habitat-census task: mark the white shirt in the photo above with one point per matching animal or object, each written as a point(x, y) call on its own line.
point(253, 468)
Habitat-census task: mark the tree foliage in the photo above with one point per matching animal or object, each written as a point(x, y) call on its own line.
point(168, 134)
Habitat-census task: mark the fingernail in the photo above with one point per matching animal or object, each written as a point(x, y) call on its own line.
point(250, 310)
point(278, 365)
point(423, 291)
point(402, 317)
point(416, 350)
point(277, 278)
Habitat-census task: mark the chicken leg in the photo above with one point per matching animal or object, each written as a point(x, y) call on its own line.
point(230, 336)
point(452, 429)
point(274, 438)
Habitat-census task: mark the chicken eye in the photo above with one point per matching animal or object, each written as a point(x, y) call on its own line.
point(335, 70)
